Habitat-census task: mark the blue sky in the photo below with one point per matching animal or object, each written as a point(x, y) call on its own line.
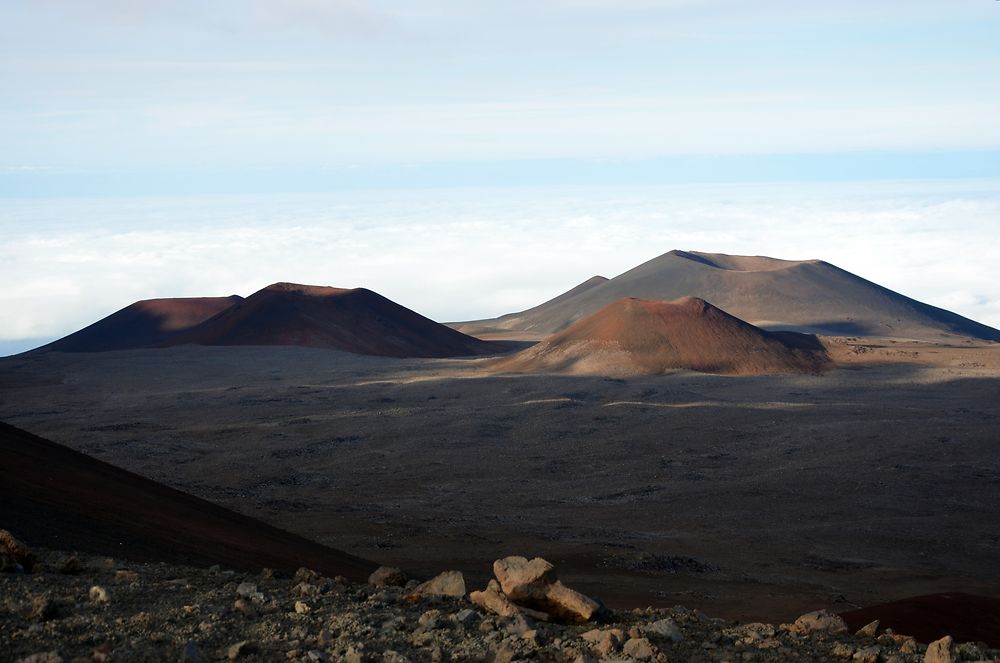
point(502, 151)
point(116, 96)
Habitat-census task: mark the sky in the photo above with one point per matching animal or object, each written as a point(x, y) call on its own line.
point(446, 153)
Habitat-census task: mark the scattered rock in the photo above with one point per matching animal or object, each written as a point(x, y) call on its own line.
point(842, 650)
point(43, 608)
point(520, 577)
point(668, 630)
point(941, 651)
point(494, 600)
point(246, 589)
point(869, 630)
point(750, 634)
point(819, 621)
point(98, 594)
point(346, 621)
point(43, 657)
point(567, 604)
point(244, 607)
point(868, 655)
point(387, 576)
point(17, 551)
point(239, 649)
point(305, 589)
point(449, 583)
point(70, 565)
point(638, 648)
point(604, 642)
point(533, 584)
point(466, 617)
point(302, 574)
point(430, 619)
point(126, 575)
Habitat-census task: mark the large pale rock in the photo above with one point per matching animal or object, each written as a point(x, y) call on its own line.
point(818, 621)
point(494, 600)
point(533, 584)
point(869, 630)
point(567, 604)
point(520, 577)
point(941, 651)
point(449, 583)
point(667, 629)
point(20, 553)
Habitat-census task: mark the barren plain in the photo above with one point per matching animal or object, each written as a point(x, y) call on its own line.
point(748, 497)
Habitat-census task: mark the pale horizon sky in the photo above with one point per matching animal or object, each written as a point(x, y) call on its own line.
point(435, 151)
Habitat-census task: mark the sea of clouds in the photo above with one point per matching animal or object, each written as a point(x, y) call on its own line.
point(460, 254)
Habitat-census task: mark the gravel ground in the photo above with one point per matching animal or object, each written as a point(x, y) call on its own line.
point(84, 608)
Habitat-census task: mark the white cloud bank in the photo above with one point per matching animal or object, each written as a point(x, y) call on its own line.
point(465, 254)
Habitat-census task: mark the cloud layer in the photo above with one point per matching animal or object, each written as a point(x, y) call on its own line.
point(465, 254)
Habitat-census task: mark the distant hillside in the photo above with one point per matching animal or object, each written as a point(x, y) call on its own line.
point(810, 296)
point(143, 324)
point(357, 320)
point(59, 498)
point(642, 337)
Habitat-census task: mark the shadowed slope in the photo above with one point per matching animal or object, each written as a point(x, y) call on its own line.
point(642, 337)
point(58, 498)
point(143, 324)
point(811, 296)
point(965, 617)
point(481, 326)
point(357, 320)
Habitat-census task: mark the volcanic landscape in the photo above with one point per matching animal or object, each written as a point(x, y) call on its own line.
point(744, 435)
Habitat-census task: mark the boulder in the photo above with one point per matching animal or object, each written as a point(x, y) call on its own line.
point(567, 604)
point(819, 621)
point(869, 630)
point(941, 651)
point(494, 600)
point(534, 586)
point(520, 577)
point(449, 583)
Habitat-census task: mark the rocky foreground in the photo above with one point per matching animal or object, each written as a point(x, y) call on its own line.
point(56, 607)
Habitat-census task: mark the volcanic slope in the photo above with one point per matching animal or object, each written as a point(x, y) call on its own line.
point(810, 296)
point(60, 498)
point(143, 324)
point(642, 337)
point(357, 320)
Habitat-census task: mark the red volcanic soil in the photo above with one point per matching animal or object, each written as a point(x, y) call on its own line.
point(143, 324)
point(358, 320)
point(643, 337)
point(965, 617)
point(58, 498)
